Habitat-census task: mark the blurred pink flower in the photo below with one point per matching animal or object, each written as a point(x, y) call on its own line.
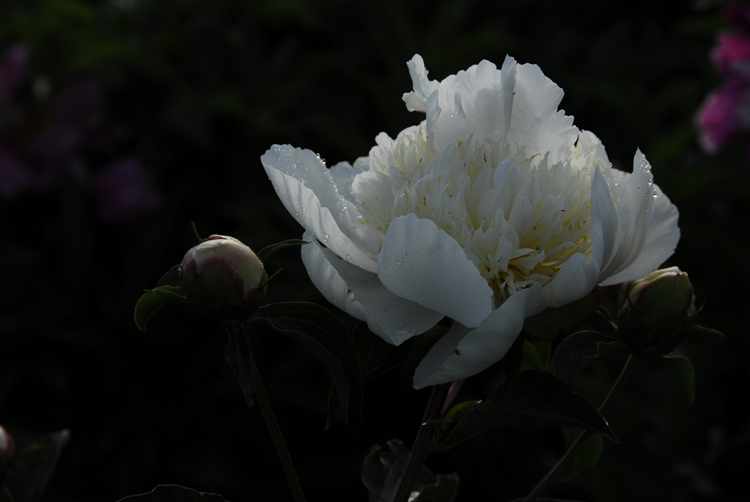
point(732, 55)
point(123, 192)
point(725, 115)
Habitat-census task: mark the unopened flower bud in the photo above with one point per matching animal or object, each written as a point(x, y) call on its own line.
point(224, 278)
point(654, 308)
point(7, 454)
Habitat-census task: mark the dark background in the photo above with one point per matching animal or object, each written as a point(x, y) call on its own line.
point(197, 91)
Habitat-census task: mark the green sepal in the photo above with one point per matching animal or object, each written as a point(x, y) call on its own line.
point(267, 251)
point(34, 467)
point(537, 400)
point(327, 338)
point(174, 493)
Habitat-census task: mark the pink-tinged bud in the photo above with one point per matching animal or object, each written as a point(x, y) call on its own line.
point(224, 278)
point(7, 454)
point(654, 308)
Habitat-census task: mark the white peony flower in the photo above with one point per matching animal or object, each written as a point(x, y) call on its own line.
point(490, 210)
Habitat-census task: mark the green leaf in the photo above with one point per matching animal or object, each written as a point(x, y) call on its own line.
point(587, 456)
point(698, 330)
point(553, 322)
point(460, 410)
point(685, 375)
point(510, 365)
point(381, 471)
point(531, 358)
point(444, 489)
point(148, 305)
point(238, 357)
point(578, 350)
point(371, 350)
point(152, 301)
point(537, 400)
point(323, 334)
point(174, 493)
point(171, 278)
point(267, 251)
point(34, 467)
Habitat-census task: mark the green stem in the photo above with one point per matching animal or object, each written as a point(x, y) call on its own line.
point(583, 436)
point(420, 449)
point(259, 390)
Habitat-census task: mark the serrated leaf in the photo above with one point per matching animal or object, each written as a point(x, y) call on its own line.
point(537, 400)
point(238, 357)
point(587, 456)
point(174, 493)
point(34, 467)
point(685, 375)
point(267, 251)
point(444, 489)
point(327, 338)
point(382, 470)
point(553, 322)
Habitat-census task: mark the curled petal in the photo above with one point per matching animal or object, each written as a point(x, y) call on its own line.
point(362, 295)
point(463, 352)
point(306, 189)
point(636, 203)
point(421, 263)
point(661, 240)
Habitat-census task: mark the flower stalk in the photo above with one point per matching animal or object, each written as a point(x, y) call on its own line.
point(238, 330)
point(420, 450)
point(627, 369)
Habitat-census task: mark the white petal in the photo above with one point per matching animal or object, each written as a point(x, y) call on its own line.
point(328, 281)
point(421, 262)
point(577, 277)
point(462, 353)
point(397, 319)
point(661, 240)
point(416, 101)
point(636, 202)
point(306, 189)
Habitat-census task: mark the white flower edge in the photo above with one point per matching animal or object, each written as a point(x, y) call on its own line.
point(363, 296)
point(464, 352)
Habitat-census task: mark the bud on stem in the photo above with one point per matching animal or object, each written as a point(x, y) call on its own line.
point(653, 309)
point(224, 278)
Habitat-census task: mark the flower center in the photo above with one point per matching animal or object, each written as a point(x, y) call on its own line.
point(518, 218)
